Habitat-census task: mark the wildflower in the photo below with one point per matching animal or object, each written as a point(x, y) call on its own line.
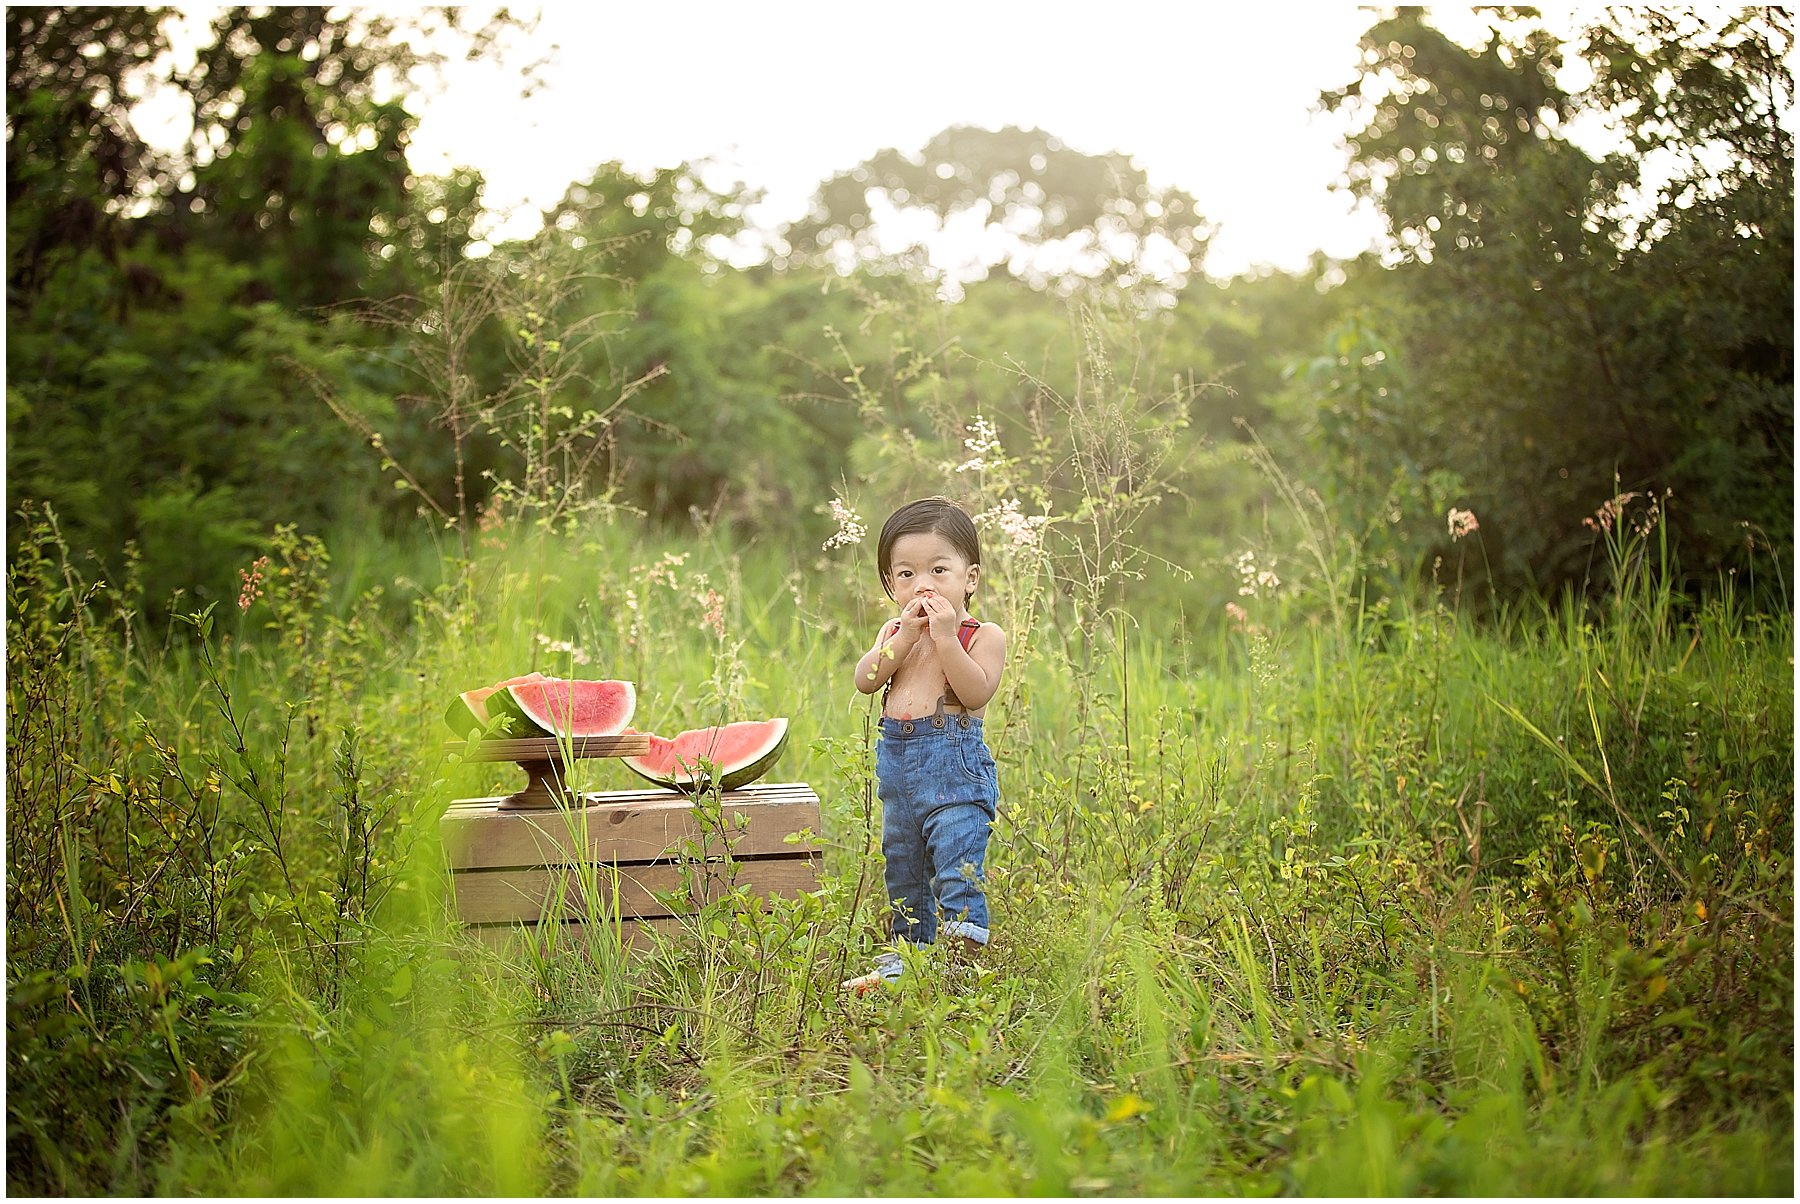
point(850, 525)
point(1252, 581)
point(1614, 511)
point(712, 611)
point(575, 655)
point(663, 573)
point(1462, 522)
point(1237, 613)
point(984, 442)
point(1024, 531)
point(252, 589)
point(1609, 512)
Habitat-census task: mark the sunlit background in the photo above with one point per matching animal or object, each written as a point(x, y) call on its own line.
point(1214, 100)
point(1221, 102)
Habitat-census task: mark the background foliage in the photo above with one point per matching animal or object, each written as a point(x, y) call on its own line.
point(1550, 321)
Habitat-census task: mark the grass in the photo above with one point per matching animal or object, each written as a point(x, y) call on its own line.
point(1407, 905)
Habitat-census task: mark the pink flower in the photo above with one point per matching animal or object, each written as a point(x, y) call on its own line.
point(1613, 511)
point(1237, 613)
point(850, 525)
point(1609, 512)
point(1462, 522)
point(252, 589)
point(712, 611)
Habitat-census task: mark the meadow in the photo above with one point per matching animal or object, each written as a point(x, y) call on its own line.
point(1396, 746)
point(1318, 896)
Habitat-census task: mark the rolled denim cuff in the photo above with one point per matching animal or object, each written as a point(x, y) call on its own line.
point(974, 932)
point(889, 965)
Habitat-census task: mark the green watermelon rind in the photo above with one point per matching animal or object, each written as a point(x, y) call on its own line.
point(735, 778)
point(462, 718)
point(507, 722)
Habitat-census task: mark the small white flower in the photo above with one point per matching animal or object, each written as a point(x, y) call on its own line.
point(984, 442)
point(575, 655)
point(850, 526)
point(1252, 579)
point(1024, 531)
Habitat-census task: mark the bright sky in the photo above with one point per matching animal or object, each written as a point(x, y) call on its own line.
point(1214, 99)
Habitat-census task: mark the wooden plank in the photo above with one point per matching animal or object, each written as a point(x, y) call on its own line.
point(531, 894)
point(624, 826)
point(628, 826)
point(545, 748)
point(652, 794)
point(637, 936)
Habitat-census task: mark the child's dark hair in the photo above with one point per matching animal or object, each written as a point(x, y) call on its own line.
point(927, 516)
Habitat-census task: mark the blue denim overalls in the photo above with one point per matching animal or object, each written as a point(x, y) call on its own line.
point(939, 790)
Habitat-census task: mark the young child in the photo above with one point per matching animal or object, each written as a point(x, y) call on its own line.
point(936, 669)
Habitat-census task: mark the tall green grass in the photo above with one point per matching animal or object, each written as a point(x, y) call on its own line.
point(1402, 904)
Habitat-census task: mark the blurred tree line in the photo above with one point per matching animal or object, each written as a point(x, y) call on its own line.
point(281, 323)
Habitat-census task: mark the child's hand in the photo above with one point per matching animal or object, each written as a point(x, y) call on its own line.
point(916, 609)
point(903, 632)
point(939, 615)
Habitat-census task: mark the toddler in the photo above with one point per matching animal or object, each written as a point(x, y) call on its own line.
point(936, 669)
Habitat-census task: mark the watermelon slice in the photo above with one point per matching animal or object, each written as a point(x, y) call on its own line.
point(560, 706)
point(739, 752)
point(469, 712)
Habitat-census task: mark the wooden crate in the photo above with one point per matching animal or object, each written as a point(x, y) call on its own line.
point(620, 859)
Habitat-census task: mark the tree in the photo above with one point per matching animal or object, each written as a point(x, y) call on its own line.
point(1064, 217)
point(72, 153)
point(168, 314)
point(298, 146)
point(1555, 340)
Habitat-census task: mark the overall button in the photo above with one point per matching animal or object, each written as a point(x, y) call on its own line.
point(937, 721)
point(906, 729)
point(963, 720)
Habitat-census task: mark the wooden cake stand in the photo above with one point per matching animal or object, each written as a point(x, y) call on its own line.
point(543, 761)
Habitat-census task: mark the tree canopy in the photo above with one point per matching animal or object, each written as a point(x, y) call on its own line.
point(1057, 213)
point(280, 322)
point(1563, 320)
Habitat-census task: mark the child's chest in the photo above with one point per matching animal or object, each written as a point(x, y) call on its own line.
point(918, 683)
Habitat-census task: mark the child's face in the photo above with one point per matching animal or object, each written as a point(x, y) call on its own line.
point(927, 563)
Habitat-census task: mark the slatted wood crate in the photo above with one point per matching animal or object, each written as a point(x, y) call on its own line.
point(618, 858)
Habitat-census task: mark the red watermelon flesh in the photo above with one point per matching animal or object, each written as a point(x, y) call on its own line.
point(470, 710)
point(739, 752)
point(570, 707)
